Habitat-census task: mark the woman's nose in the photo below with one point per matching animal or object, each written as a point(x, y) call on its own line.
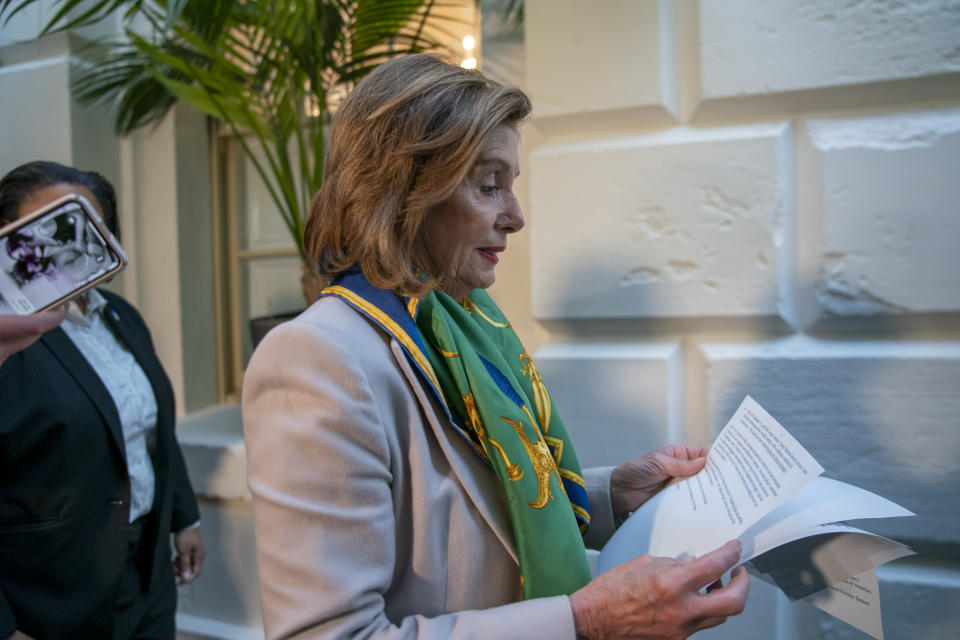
point(511, 220)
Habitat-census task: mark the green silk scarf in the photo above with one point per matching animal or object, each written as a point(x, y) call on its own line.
point(489, 379)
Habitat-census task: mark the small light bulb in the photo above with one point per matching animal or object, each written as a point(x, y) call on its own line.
point(469, 63)
point(469, 43)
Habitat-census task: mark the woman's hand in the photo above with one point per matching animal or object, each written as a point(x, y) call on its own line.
point(190, 554)
point(652, 598)
point(636, 481)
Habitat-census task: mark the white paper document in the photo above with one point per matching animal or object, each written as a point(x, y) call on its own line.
point(761, 486)
point(824, 555)
point(821, 502)
point(855, 600)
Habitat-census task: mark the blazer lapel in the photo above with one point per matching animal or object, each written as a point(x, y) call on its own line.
point(396, 317)
point(462, 460)
point(66, 352)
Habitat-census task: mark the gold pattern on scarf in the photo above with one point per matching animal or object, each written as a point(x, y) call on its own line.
point(514, 472)
point(474, 422)
point(572, 477)
point(556, 447)
point(470, 306)
point(447, 354)
point(541, 459)
point(541, 399)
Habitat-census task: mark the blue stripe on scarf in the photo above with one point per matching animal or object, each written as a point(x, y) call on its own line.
point(577, 495)
point(501, 381)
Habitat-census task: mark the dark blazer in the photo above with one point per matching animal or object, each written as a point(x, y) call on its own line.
point(64, 488)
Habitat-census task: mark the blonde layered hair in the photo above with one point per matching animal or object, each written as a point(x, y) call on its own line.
point(400, 144)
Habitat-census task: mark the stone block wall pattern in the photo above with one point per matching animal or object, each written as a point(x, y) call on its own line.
point(878, 414)
point(628, 66)
point(603, 391)
point(883, 237)
point(684, 222)
point(780, 46)
point(774, 212)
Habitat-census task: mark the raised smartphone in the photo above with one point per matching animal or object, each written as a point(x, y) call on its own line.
point(54, 254)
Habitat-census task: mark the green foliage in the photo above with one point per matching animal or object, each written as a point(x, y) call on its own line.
point(263, 67)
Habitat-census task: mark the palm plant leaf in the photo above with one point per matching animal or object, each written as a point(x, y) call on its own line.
point(123, 80)
point(378, 20)
point(263, 67)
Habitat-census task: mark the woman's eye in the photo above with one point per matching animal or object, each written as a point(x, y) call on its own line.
point(489, 189)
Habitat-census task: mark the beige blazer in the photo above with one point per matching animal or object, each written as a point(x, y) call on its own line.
point(374, 518)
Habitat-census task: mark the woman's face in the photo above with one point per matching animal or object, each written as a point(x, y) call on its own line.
point(468, 231)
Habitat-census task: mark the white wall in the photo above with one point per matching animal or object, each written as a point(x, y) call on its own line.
point(729, 197)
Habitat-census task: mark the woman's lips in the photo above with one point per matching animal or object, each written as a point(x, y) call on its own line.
point(490, 253)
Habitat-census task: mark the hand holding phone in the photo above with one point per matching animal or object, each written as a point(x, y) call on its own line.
point(19, 332)
point(55, 254)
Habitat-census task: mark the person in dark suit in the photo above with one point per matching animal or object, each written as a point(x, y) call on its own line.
point(92, 480)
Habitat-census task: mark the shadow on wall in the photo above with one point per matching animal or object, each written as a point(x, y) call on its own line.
point(623, 383)
point(609, 386)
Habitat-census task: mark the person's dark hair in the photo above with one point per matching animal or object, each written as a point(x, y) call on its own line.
point(400, 144)
point(17, 186)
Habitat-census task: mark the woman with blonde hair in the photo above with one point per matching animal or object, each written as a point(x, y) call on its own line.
point(411, 475)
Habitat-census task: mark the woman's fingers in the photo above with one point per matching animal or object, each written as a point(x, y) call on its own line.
point(660, 597)
point(18, 332)
point(684, 452)
point(710, 567)
point(18, 327)
point(729, 600)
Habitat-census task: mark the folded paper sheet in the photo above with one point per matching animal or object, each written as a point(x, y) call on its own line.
point(855, 600)
point(761, 486)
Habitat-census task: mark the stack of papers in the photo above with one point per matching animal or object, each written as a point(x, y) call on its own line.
point(761, 486)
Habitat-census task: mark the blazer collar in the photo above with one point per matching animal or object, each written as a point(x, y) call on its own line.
point(395, 315)
point(121, 323)
point(392, 313)
point(63, 349)
point(466, 464)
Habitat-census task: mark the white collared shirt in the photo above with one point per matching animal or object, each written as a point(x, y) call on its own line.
point(129, 388)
